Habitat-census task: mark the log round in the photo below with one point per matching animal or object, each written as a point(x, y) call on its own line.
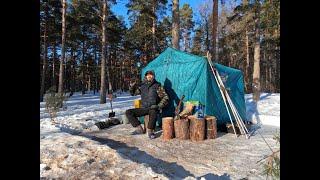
point(211, 127)
point(167, 128)
point(181, 129)
point(197, 128)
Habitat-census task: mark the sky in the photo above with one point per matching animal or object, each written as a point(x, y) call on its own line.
point(120, 9)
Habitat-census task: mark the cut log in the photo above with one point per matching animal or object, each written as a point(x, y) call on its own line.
point(230, 128)
point(197, 128)
point(167, 128)
point(181, 129)
point(211, 127)
point(236, 127)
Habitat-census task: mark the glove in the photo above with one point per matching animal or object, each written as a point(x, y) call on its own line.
point(154, 107)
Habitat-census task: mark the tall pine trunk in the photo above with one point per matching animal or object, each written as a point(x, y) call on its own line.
point(89, 78)
point(53, 66)
point(65, 76)
point(83, 79)
point(103, 54)
point(214, 29)
point(109, 71)
point(277, 71)
point(95, 71)
point(175, 24)
point(154, 24)
point(185, 41)
point(247, 62)
point(271, 82)
point(256, 65)
point(207, 42)
point(73, 63)
point(61, 72)
point(44, 68)
point(122, 76)
point(116, 71)
point(188, 43)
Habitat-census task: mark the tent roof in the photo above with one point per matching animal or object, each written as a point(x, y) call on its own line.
point(183, 73)
point(171, 55)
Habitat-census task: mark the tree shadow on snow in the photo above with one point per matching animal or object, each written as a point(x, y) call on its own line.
point(94, 100)
point(252, 109)
point(265, 96)
point(261, 97)
point(211, 176)
point(134, 154)
point(67, 129)
point(169, 169)
point(253, 113)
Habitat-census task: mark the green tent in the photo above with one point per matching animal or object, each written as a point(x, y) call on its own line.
point(186, 74)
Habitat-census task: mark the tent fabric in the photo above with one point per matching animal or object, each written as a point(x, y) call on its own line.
point(186, 74)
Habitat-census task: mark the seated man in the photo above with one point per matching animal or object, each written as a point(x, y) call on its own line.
point(153, 99)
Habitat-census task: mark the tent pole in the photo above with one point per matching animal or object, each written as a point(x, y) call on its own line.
point(238, 117)
point(234, 107)
point(242, 131)
point(234, 110)
point(224, 100)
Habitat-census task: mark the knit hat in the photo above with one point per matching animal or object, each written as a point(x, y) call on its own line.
point(149, 72)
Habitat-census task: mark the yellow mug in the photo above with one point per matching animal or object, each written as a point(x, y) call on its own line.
point(137, 103)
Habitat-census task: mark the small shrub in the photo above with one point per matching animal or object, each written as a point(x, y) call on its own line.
point(271, 165)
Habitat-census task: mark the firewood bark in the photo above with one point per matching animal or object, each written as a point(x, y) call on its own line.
point(211, 127)
point(167, 127)
point(181, 129)
point(197, 129)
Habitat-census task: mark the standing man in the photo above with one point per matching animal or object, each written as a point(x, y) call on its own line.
point(153, 99)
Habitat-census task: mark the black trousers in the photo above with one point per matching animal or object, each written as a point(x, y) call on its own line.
point(133, 114)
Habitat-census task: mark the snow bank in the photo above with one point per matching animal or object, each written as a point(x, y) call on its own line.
point(83, 111)
point(266, 111)
point(65, 155)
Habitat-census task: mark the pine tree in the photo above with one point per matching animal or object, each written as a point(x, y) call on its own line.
point(214, 29)
point(197, 42)
point(103, 99)
point(256, 66)
point(205, 14)
point(164, 34)
point(144, 21)
point(61, 71)
point(44, 24)
point(186, 25)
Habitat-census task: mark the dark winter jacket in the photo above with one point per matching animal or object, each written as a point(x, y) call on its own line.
point(152, 93)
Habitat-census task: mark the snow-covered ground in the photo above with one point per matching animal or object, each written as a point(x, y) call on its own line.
point(74, 148)
point(266, 111)
point(82, 111)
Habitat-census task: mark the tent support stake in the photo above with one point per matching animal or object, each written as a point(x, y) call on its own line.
point(233, 108)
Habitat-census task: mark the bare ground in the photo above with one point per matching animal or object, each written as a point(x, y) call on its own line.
point(226, 157)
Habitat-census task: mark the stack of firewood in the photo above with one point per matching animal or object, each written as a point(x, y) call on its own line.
point(188, 126)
